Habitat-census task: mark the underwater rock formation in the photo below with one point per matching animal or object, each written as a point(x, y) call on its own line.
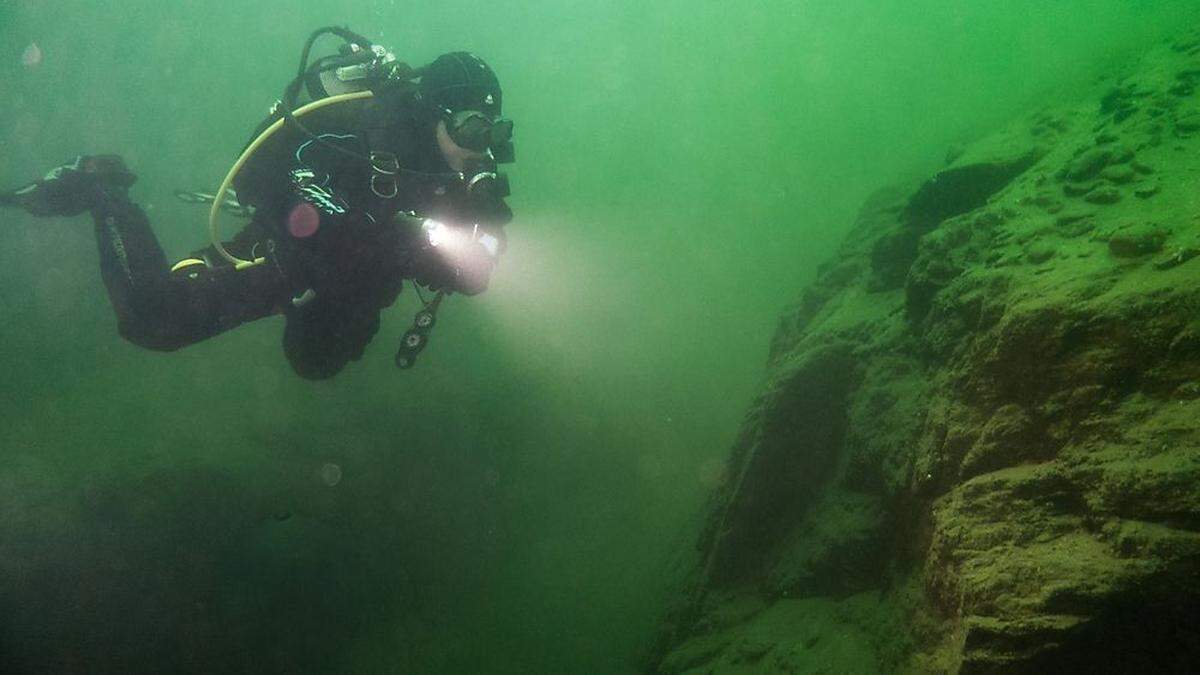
point(978, 445)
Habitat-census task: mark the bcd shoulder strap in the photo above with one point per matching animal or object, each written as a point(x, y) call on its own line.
point(389, 123)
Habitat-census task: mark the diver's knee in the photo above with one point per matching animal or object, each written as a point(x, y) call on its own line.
point(146, 335)
point(316, 369)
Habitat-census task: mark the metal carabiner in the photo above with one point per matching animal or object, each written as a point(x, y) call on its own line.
point(385, 164)
point(395, 187)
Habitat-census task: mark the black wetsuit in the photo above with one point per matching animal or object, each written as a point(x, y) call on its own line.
point(330, 286)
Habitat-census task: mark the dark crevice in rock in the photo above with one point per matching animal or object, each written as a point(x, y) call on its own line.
point(952, 192)
point(963, 189)
point(784, 466)
point(892, 255)
point(1154, 635)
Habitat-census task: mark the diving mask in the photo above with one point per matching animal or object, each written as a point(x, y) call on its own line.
point(475, 131)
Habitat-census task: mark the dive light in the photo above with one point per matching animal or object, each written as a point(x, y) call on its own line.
point(456, 242)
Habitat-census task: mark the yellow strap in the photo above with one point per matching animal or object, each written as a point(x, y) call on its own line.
point(186, 262)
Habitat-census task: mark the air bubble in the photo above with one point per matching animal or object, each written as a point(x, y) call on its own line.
point(331, 474)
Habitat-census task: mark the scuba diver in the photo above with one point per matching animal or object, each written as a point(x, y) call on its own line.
point(386, 174)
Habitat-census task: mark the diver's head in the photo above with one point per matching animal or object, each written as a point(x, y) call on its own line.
point(464, 96)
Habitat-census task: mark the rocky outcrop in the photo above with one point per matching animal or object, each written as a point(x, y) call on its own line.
point(978, 445)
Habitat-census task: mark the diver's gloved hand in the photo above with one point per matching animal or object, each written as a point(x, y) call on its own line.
point(458, 259)
point(73, 188)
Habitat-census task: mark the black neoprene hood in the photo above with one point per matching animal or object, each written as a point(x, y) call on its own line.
point(461, 81)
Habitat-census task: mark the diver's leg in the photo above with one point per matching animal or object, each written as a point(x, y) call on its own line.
point(157, 307)
point(72, 189)
point(134, 269)
point(164, 308)
point(321, 337)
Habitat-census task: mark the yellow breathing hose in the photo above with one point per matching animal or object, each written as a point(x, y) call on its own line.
point(214, 215)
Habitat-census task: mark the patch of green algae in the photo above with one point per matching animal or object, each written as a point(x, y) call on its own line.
point(855, 635)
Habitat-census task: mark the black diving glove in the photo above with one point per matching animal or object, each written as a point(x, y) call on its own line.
point(73, 188)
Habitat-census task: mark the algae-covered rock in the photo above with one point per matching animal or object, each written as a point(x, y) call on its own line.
point(1008, 438)
point(1075, 221)
point(1147, 191)
point(1039, 252)
point(1104, 194)
point(798, 636)
point(978, 445)
point(1132, 240)
point(1080, 189)
point(1094, 162)
point(1178, 256)
point(1188, 122)
point(1119, 174)
point(839, 542)
point(1089, 164)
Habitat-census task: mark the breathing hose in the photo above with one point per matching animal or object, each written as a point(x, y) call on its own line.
point(214, 214)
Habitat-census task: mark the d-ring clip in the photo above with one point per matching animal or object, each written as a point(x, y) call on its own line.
point(385, 167)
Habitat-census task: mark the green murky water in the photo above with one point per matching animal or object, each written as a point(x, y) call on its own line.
point(525, 499)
